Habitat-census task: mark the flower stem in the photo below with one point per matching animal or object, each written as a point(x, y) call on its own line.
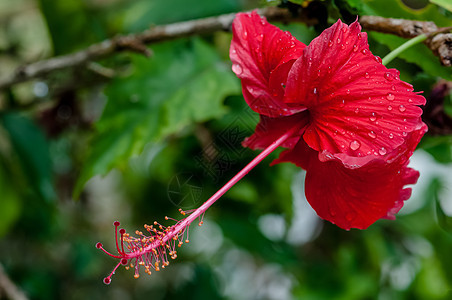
point(394, 53)
point(199, 211)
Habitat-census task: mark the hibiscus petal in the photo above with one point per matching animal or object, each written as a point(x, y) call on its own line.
point(356, 197)
point(357, 105)
point(262, 56)
point(269, 130)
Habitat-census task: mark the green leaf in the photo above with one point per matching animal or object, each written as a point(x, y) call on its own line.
point(144, 13)
point(447, 4)
point(71, 25)
point(444, 221)
point(32, 149)
point(10, 204)
point(440, 147)
point(185, 82)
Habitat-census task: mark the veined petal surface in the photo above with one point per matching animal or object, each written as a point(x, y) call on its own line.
point(262, 55)
point(357, 105)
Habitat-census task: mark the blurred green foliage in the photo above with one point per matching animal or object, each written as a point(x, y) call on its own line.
point(79, 151)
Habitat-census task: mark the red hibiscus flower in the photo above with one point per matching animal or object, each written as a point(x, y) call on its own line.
point(350, 122)
point(359, 123)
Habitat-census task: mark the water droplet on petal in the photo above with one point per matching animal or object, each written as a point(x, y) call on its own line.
point(388, 76)
point(355, 48)
point(404, 133)
point(314, 91)
point(410, 100)
point(260, 37)
point(373, 117)
point(338, 40)
point(382, 151)
point(347, 92)
point(354, 145)
point(237, 69)
point(359, 36)
point(378, 59)
point(342, 46)
point(393, 87)
point(364, 51)
point(245, 35)
point(356, 110)
point(391, 136)
point(390, 97)
point(402, 108)
point(366, 75)
point(329, 70)
point(389, 107)
point(372, 134)
point(330, 43)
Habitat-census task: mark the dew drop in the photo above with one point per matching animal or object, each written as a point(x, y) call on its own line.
point(373, 117)
point(354, 145)
point(342, 46)
point(330, 43)
point(389, 107)
point(344, 29)
point(382, 151)
point(338, 40)
point(366, 75)
point(402, 108)
point(404, 133)
point(260, 37)
point(355, 48)
point(356, 110)
point(364, 51)
point(237, 69)
point(393, 87)
point(347, 92)
point(329, 70)
point(372, 134)
point(410, 100)
point(359, 36)
point(388, 76)
point(314, 91)
point(391, 136)
point(378, 59)
point(245, 35)
point(390, 96)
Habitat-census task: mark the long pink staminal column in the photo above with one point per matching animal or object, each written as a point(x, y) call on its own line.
point(148, 251)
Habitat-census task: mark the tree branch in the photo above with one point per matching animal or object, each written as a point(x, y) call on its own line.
point(440, 44)
point(8, 288)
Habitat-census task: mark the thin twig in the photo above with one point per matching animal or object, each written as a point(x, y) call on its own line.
point(440, 44)
point(132, 42)
point(8, 288)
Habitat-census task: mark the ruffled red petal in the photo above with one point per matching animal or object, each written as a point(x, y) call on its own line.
point(262, 56)
point(356, 196)
point(357, 105)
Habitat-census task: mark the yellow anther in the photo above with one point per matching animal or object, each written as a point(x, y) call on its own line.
point(136, 276)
